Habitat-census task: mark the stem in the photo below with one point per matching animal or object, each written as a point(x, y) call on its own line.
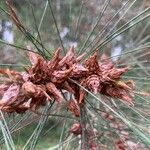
point(84, 136)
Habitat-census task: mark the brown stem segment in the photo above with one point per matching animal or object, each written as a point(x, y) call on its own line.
point(84, 135)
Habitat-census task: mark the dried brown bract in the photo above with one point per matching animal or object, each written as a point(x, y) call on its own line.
point(45, 79)
point(74, 108)
point(76, 129)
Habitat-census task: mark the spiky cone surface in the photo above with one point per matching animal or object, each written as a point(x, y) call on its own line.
point(44, 80)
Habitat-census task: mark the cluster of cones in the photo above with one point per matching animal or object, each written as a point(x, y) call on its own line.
point(45, 80)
